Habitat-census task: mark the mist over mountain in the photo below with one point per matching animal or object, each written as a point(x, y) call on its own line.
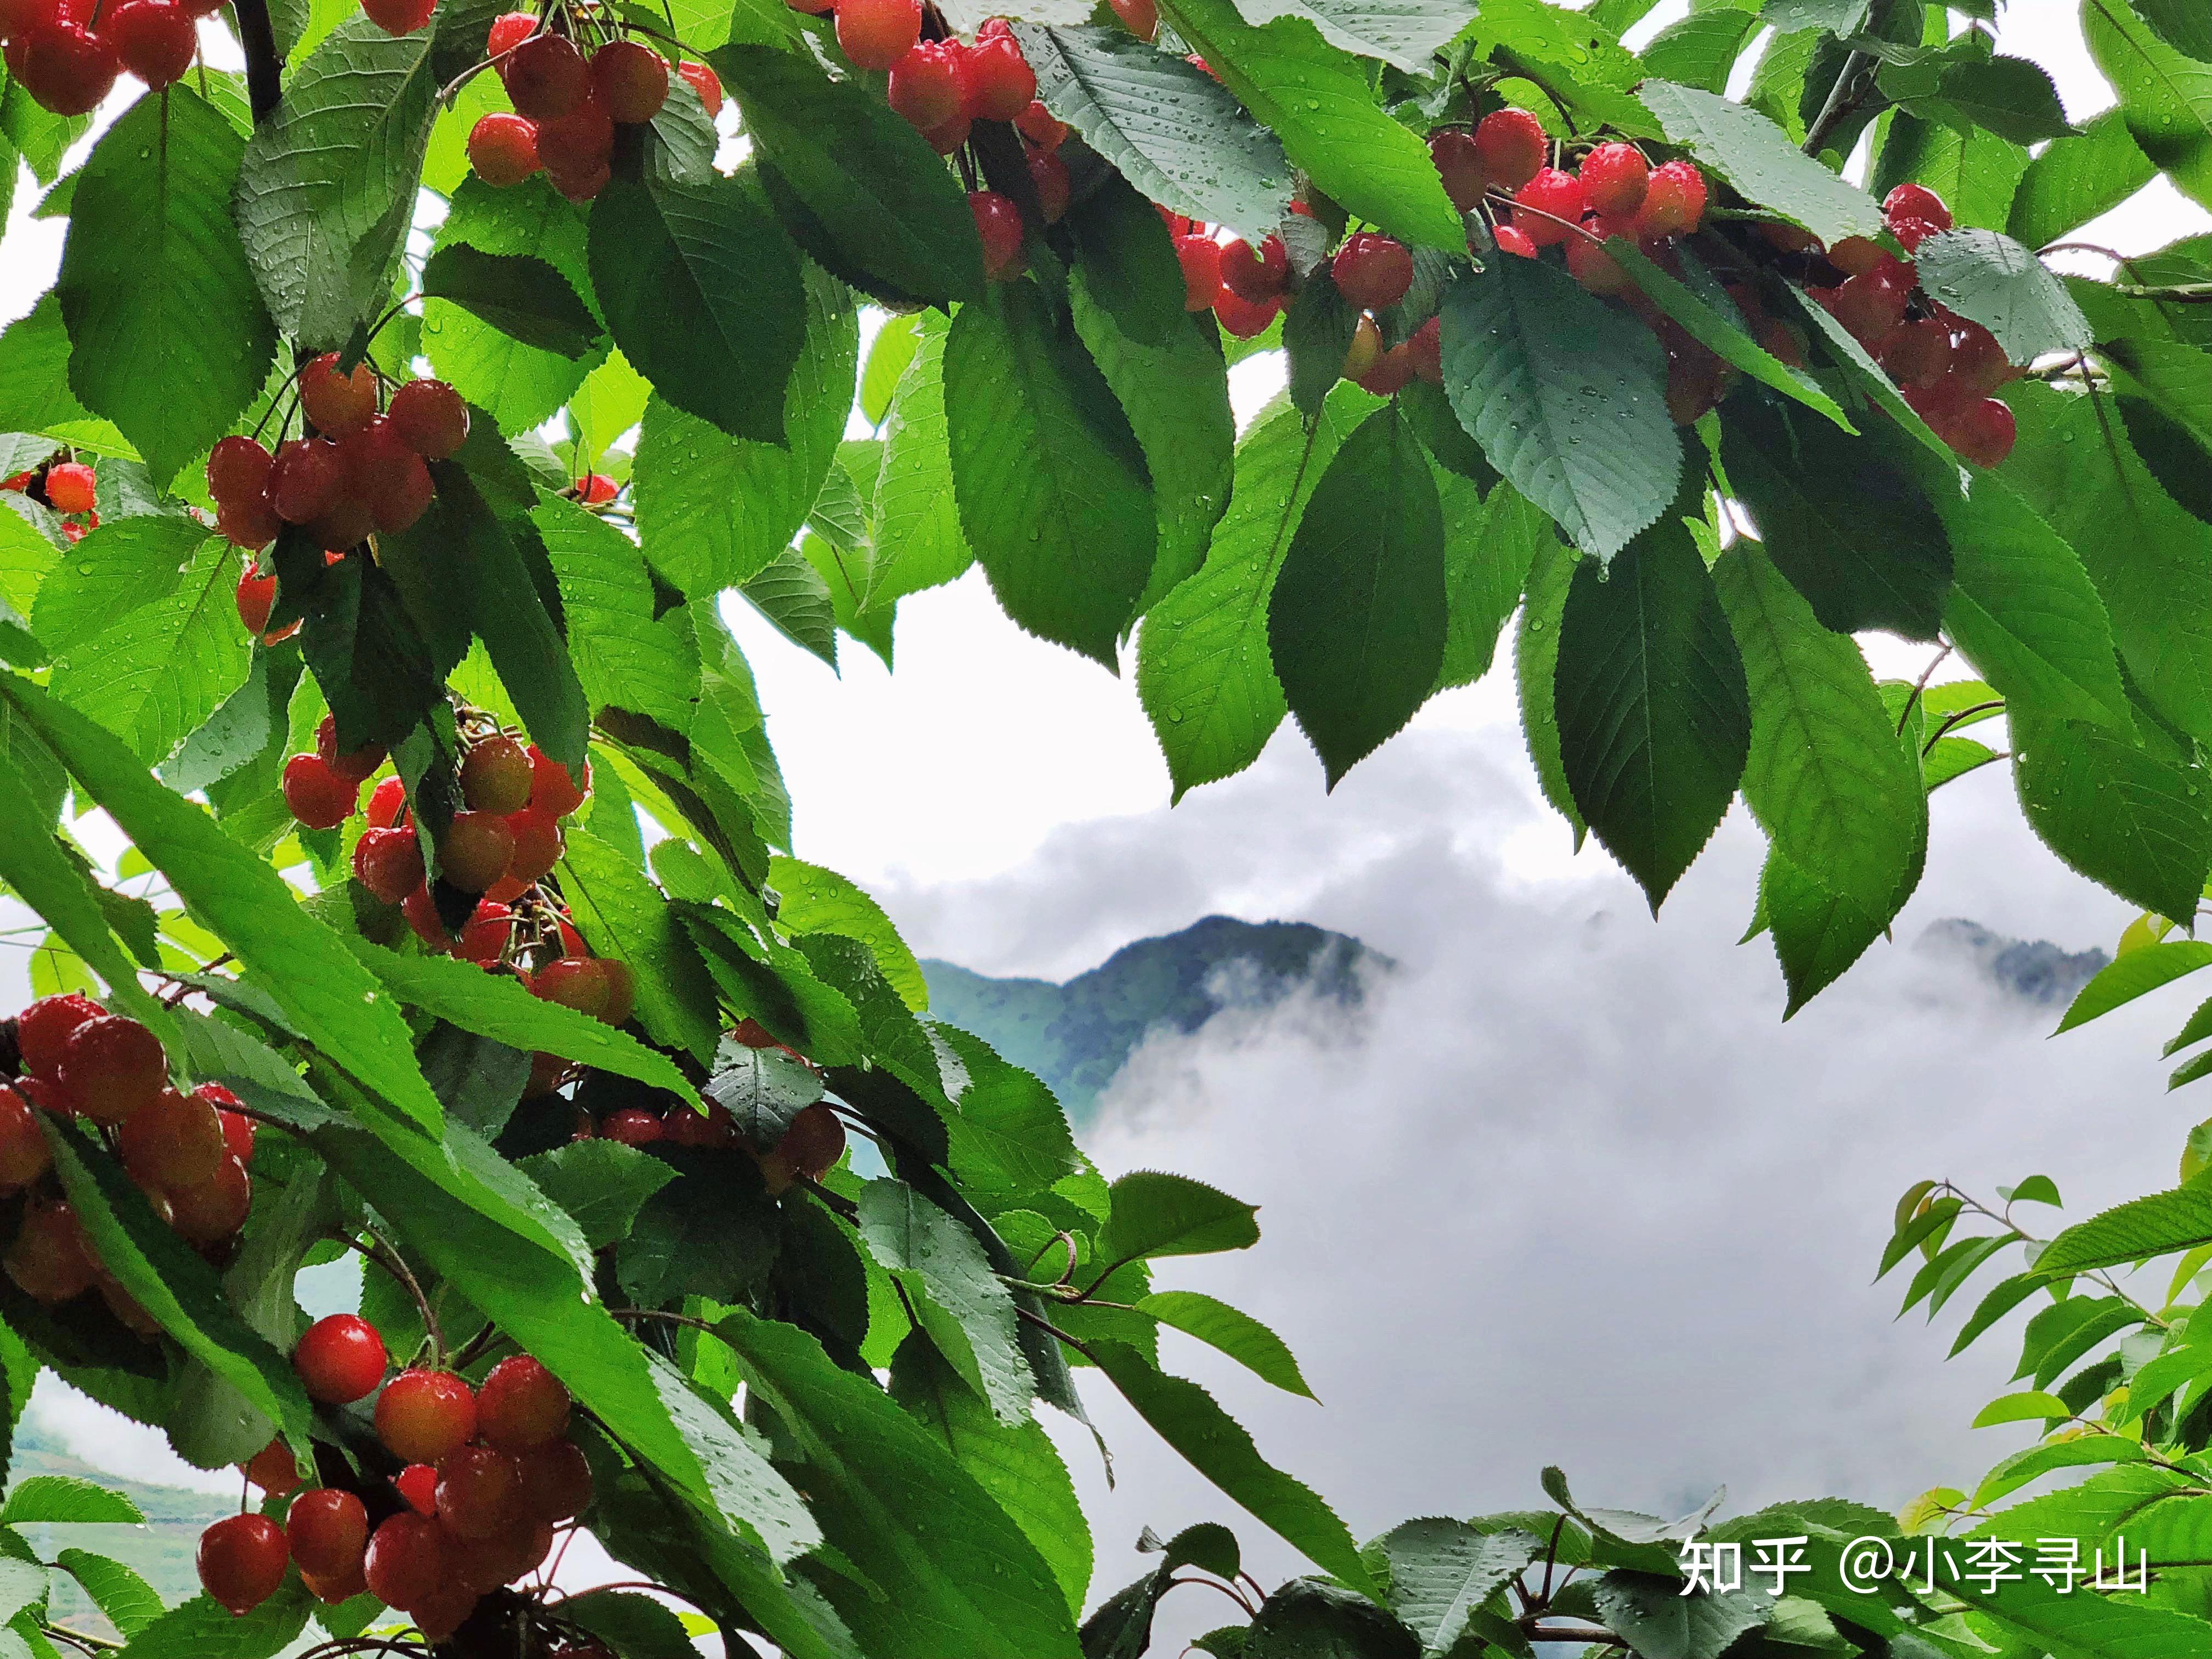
point(2036, 971)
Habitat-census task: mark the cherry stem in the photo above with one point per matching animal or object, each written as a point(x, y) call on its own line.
point(381, 1253)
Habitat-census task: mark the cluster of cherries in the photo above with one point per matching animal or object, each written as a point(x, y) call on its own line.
point(566, 106)
point(486, 1474)
point(359, 470)
point(70, 488)
point(187, 1152)
point(67, 53)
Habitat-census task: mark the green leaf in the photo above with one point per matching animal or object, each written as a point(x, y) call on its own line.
point(40, 1499)
point(1172, 130)
point(1700, 50)
point(2020, 1408)
point(1312, 1619)
point(1535, 672)
point(1653, 1613)
point(760, 1089)
point(819, 900)
point(1441, 1571)
point(1051, 485)
point(1319, 104)
point(601, 1183)
point(302, 963)
point(517, 294)
point(169, 339)
point(2140, 971)
point(1230, 1330)
point(1156, 1214)
point(914, 532)
point(1654, 722)
point(626, 656)
point(712, 1234)
point(965, 1310)
point(34, 389)
point(713, 511)
point(204, 1629)
point(1758, 158)
point(621, 913)
point(2161, 1224)
point(123, 564)
point(1990, 279)
point(633, 1626)
point(1567, 397)
point(1407, 33)
point(1826, 776)
point(2076, 1627)
point(794, 597)
point(1853, 533)
point(1819, 933)
point(2012, 98)
point(2183, 26)
point(880, 192)
point(2165, 97)
point(1356, 621)
point(1185, 1416)
point(952, 1575)
point(39, 871)
point(2075, 179)
point(2121, 812)
point(702, 292)
point(326, 190)
point(129, 1601)
point(1489, 547)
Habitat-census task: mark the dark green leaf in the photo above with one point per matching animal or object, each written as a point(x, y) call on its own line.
point(967, 1313)
point(2075, 179)
point(521, 295)
point(760, 1089)
point(1990, 279)
point(1312, 1619)
point(1758, 158)
point(1441, 1571)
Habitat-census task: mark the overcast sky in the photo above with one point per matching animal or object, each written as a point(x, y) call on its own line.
point(1569, 1190)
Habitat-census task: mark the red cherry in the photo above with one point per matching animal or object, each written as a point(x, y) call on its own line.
point(113, 1068)
point(1694, 383)
point(1978, 363)
point(477, 848)
point(43, 1030)
point(1548, 207)
point(1916, 354)
point(876, 33)
point(1000, 82)
point(811, 8)
point(1459, 164)
point(1426, 350)
point(1392, 374)
point(552, 787)
point(477, 1493)
point(304, 478)
point(503, 148)
point(318, 796)
point(1870, 306)
point(1512, 239)
point(575, 982)
point(1615, 177)
point(485, 935)
point(1053, 184)
point(71, 486)
point(1674, 201)
point(1200, 257)
point(17, 17)
point(421, 911)
point(237, 470)
point(273, 1468)
point(424, 1416)
point(809, 1149)
point(237, 1127)
point(1256, 276)
point(241, 1561)
point(1241, 316)
point(555, 1481)
point(621, 991)
point(155, 40)
point(1910, 201)
point(1782, 341)
point(24, 1154)
point(510, 30)
point(631, 80)
point(442, 1613)
point(328, 1530)
point(926, 85)
point(632, 1125)
point(1984, 432)
point(430, 417)
point(398, 16)
point(405, 1565)
point(382, 471)
point(252, 525)
point(572, 942)
point(521, 1405)
point(1512, 147)
point(331, 1591)
point(66, 68)
point(211, 1212)
point(497, 776)
point(1140, 17)
point(546, 77)
point(1912, 233)
point(538, 844)
point(1040, 127)
point(999, 222)
point(1588, 264)
point(337, 404)
point(340, 1359)
point(389, 863)
point(1855, 256)
point(418, 1485)
point(50, 1260)
point(387, 804)
point(706, 84)
point(174, 1142)
point(1372, 271)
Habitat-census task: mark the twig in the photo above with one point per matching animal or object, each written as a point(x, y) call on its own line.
point(1920, 686)
point(265, 71)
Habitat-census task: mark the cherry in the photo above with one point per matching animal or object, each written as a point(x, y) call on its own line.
point(1053, 184)
point(444, 1611)
point(237, 1127)
point(521, 1405)
point(383, 473)
point(1459, 163)
point(876, 33)
point(546, 1074)
point(1674, 201)
point(24, 1154)
point(597, 489)
point(1364, 351)
point(497, 776)
point(331, 1591)
point(1984, 432)
point(237, 470)
point(999, 222)
point(484, 936)
point(1783, 341)
point(430, 417)
point(688, 1128)
point(175, 1142)
point(418, 1485)
point(477, 1491)
point(389, 863)
point(421, 911)
point(1912, 233)
point(241, 1561)
point(706, 84)
point(71, 486)
point(546, 77)
point(510, 30)
point(1512, 146)
point(65, 67)
point(621, 991)
point(273, 1468)
point(387, 804)
point(1392, 374)
point(318, 796)
point(1978, 363)
point(1916, 354)
point(1855, 256)
point(1694, 383)
point(1241, 316)
point(1371, 270)
point(405, 1564)
point(574, 146)
point(1140, 17)
point(304, 478)
point(252, 525)
point(633, 1125)
point(155, 40)
point(575, 982)
point(209, 1214)
point(113, 1068)
point(337, 404)
point(555, 1481)
point(926, 85)
point(477, 848)
point(51, 1260)
point(1869, 307)
point(19, 17)
point(1256, 276)
point(1200, 257)
point(43, 1030)
point(1425, 348)
point(538, 844)
point(631, 80)
point(1615, 177)
point(328, 1531)
point(1000, 82)
point(341, 1359)
point(811, 8)
point(1910, 201)
point(809, 1149)
point(398, 16)
point(572, 942)
point(1548, 207)
point(424, 1416)
point(503, 148)
point(1588, 264)
point(1040, 127)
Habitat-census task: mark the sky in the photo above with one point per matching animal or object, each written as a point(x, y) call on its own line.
point(1570, 1189)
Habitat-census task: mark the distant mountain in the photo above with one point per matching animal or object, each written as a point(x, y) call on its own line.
point(2034, 970)
point(1076, 1035)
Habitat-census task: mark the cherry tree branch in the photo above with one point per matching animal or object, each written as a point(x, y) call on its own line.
point(264, 68)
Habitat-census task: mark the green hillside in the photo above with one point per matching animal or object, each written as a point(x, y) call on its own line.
point(1076, 1035)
